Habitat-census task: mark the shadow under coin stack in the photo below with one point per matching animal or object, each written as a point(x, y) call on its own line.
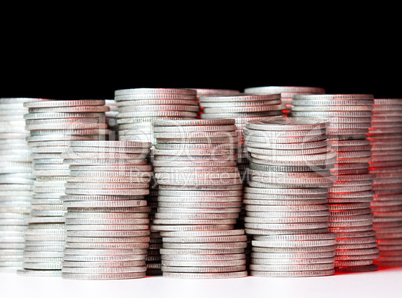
point(16, 181)
point(52, 124)
point(349, 117)
point(200, 194)
point(287, 92)
point(107, 219)
point(385, 137)
point(137, 109)
point(286, 198)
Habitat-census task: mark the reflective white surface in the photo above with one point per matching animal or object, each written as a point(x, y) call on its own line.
point(384, 283)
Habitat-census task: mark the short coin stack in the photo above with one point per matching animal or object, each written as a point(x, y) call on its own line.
point(286, 198)
point(139, 107)
point(200, 191)
point(349, 117)
point(107, 222)
point(16, 181)
point(52, 124)
point(213, 92)
point(385, 137)
point(287, 92)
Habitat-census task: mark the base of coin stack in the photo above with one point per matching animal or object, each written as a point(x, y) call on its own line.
point(52, 123)
point(204, 254)
point(286, 198)
point(16, 182)
point(107, 219)
point(385, 137)
point(349, 117)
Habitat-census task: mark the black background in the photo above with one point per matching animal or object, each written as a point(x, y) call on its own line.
point(91, 73)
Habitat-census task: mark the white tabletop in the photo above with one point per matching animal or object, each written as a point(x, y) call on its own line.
point(383, 283)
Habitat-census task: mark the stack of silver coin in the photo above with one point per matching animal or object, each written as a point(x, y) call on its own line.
point(111, 119)
point(287, 92)
point(385, 137)
point(241, 107)
point(16, 181)
point(139, 107)
point(199, 188)
point(286, 197)
point(213, 92)
point(349, 117)
point(52, 124)
point(107, 224)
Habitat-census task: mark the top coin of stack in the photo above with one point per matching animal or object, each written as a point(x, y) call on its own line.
point(287, 92)
point(349, 117)
point(139, 107)
point(52, 124)
point(16, 181)
point(385, 137)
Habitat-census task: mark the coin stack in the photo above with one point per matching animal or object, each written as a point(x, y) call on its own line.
point(111, 119)
point(200, 190)
point(213, 92)
point(286, 197)
point(52, 124)
point(241, 107)
point(137, 109)
point(385, 137)
point(16, 181)
point(287, 92)
point(107, 224)
point(349, 117)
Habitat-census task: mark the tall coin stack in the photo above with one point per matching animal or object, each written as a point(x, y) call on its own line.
point(107, 222)
point(385, 137)
point(241, 107)
point(349, 117)
point(287, 92)
point(52, 124)
point(200, 194)
point(137, 109)
point(16, 181)
point(286, 198)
